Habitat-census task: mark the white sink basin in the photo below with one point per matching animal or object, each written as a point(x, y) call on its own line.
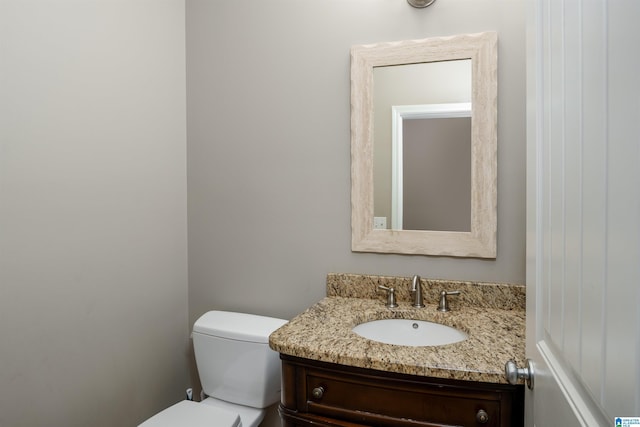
point(409, 332)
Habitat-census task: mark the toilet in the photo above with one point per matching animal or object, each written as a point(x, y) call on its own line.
point(239, 373)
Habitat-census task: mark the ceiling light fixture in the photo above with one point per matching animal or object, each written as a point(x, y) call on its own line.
point(420, 3)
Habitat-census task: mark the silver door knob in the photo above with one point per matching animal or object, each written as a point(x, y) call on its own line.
point(513, 374)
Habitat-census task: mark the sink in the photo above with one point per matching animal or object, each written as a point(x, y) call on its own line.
point(409, 332)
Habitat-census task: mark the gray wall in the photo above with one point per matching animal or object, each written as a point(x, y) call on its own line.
point(269, 146)
point(93, 270)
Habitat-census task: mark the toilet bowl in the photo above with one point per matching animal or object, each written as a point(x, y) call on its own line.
point(239, 373)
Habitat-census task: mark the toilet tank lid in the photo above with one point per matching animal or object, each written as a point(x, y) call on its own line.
point(237, 326)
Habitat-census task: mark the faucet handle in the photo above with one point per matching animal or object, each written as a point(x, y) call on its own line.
point(444, 304)
point(391, 295)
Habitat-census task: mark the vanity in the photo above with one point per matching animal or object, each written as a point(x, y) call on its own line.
point(334, 377)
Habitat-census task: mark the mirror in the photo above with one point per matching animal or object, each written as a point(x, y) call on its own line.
point(378, 125)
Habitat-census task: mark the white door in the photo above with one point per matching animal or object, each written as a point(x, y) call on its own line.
point(583, 211)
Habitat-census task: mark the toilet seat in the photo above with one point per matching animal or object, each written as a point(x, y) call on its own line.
point(249, 417)
point(192, 414)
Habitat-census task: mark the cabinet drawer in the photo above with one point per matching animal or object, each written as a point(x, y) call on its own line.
point(372, 398)
point(361, 399)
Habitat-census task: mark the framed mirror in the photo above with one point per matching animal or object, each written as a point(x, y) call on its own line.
point(424, 79)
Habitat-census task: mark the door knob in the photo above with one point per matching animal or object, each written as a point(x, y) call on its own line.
point(513, 374)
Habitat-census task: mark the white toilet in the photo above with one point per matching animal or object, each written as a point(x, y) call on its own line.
point(238, 371)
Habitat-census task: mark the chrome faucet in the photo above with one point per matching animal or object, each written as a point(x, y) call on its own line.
point(416, 289)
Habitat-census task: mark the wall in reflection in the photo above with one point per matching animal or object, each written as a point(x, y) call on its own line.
point(437, 166)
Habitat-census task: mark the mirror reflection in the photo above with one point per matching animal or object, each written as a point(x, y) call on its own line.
point(431, 167)
point(434, 196)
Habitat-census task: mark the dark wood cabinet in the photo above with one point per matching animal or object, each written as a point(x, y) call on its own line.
point(324, 394)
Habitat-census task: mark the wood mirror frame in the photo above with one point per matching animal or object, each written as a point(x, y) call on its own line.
point(480, 242)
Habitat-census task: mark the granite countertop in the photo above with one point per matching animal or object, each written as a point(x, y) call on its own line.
point(323, 333)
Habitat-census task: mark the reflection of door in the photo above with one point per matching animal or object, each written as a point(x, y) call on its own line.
point(583, 207)
point(431, 167)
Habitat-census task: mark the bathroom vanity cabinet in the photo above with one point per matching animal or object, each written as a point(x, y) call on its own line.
point(326, 394)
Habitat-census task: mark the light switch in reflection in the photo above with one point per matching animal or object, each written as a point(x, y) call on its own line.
point(379, 222)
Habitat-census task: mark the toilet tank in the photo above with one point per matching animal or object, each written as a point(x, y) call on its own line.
point(234, 360)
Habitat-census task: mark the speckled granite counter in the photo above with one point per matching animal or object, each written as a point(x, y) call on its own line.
point(323, 331)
